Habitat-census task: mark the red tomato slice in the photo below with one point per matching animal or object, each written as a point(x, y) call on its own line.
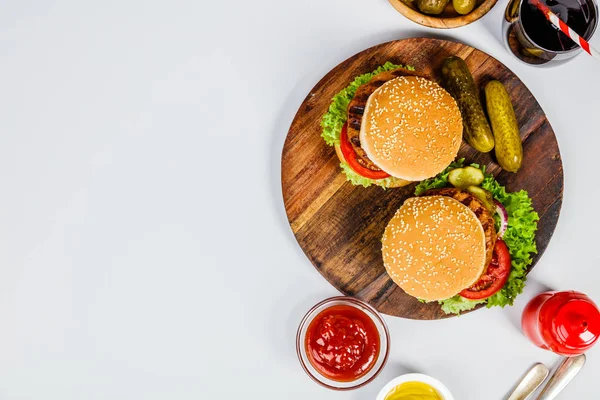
point(494, 278)
point(350, 156)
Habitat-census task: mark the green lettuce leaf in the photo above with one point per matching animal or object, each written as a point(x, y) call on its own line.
point(457, 304)
point(337, 114)
point(519, 237)
point(358, 179)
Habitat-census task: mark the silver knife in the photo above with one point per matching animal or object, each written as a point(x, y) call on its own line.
point(565, 372)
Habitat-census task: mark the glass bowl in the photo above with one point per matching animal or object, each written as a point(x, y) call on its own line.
point(384, 339)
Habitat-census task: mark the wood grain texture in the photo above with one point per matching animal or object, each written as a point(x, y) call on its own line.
point(339, 226)
point(449, 18)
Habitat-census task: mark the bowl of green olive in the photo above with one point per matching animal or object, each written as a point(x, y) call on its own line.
point(443, 14)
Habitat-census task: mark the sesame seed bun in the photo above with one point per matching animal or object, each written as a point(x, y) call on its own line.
point(434, 247)
point(411, 128)
point(385, 183)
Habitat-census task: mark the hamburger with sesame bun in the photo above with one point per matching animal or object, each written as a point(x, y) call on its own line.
point(464, 240)
point(411, 128)
point(393, 127)
point(435, 246)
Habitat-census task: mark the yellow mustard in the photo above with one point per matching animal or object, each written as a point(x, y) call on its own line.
point(413, 391)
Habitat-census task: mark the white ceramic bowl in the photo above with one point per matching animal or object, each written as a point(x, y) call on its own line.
point(434, 383)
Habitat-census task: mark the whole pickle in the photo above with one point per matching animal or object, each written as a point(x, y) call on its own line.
point(509, 150)
point(432, 6)
point(459, 82)
point(464, 6)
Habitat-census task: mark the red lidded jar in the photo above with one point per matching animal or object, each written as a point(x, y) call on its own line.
point(567, 323)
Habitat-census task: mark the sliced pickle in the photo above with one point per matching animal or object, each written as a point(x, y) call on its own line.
point(462, 178)
point(484, 196)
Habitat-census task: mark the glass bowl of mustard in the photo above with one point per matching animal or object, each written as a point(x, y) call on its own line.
point(415, 386)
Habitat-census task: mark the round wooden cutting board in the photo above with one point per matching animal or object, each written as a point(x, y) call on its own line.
point(339, 226)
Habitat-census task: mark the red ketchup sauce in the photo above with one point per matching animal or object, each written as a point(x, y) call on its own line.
point(342, 343)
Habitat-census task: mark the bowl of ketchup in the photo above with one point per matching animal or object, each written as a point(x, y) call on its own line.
point(342, 343)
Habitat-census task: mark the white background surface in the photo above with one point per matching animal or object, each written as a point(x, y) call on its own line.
point(144, 248)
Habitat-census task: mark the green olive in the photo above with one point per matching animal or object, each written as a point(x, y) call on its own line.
point(432, 6)
point(464, 6)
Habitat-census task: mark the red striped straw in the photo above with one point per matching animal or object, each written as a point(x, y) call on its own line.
point(557, 22)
